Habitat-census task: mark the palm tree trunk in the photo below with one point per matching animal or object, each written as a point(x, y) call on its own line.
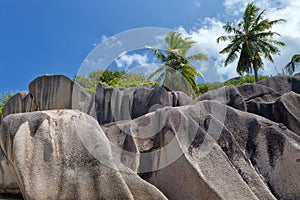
point(255, 75)
point(255, 69)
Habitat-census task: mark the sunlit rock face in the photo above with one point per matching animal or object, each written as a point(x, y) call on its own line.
point(48, 153)
point(236, 142)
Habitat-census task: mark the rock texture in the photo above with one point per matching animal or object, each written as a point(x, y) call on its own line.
point(113, 104)
point(282, 84)
point(50, 157)
point(50, 92)
point(231, 143)
point(248, 155)
point(286, 110)
point(8, 181)
point(276, 99)
point(228, 95)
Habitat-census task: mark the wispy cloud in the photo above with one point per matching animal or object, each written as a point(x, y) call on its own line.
point(197, 4)
point(104, 38)
point(126, 60)
point(137, 63)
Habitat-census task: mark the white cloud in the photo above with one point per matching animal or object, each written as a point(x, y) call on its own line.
point(104, 38)
point(211, 29)
point(206, 37)
point(136, 63)
point(126, 60)
point(197, 4)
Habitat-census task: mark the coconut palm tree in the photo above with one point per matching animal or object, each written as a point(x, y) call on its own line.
point(291, 66)
point(252, 39)
point(176, 68)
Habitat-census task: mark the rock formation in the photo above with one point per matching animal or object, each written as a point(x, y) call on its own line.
point(50, 92)
point(48, 154)
point(213, 154)
point(115, 105)
point(231, 143)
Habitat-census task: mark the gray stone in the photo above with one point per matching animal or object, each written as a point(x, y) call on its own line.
point(114, 105)
point(282, 84)
point(228, 95)
point(8, 181)
point(257, 92)
point(181, 99)
point(50, 92)
point(147, 100)
point(64, 154)
point(15, 104)
point(216, 152)
point(286, 110)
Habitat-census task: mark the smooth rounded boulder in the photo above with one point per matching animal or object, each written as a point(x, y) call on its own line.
point(64, 154)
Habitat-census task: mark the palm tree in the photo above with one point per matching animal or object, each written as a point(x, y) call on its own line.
point(290, 67)
point(252, 38)
point(176, 66)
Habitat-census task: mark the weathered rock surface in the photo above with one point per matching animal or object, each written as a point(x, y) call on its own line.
point(113, 104)
point(64, 154)
point(50, 92)
point(20, 102)
point(282, 84)
point(8, 181)
point(228, 95)
point(286, 110)
point(205, 150)
point(231, 143)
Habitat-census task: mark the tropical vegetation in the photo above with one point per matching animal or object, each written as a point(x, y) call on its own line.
point(114, 78)
point(177, 73)
point(206, 87)
point(291, 66)
point(3, 100)
point(252, 39)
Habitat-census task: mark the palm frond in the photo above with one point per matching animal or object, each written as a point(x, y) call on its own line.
point(244, 63)
point(277, 21)
point(158, 73)
point(268, 34)
point(160, 56)
point(291, 66)
point(249, 15)
point(197, 57)
point(232, 56)
point(225, 38)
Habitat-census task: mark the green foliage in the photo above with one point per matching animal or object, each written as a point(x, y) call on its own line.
point(114, 78)
point(252, 39)
point(206, 87)
point(4, 98)
point(243, 80)
point(291, 66)
point(177, 73)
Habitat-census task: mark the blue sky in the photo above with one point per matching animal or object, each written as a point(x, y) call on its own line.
point(54, 37)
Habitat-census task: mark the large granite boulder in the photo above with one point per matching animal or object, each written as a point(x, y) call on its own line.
point(64, 154)
point(20, 102)
point(257, 92)
point(228, 95)
point(282, 84)
point(50, 92)
point(8, 181)
point(286, 110)
point(210, 151)
point(114, 105)
point(259, 99)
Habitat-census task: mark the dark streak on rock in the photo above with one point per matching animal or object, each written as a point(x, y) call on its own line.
point(275, 145)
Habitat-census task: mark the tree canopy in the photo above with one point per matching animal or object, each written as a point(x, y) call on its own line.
point(252, 39)
point(114, 78)
point(291, 66)
point(177, 73)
